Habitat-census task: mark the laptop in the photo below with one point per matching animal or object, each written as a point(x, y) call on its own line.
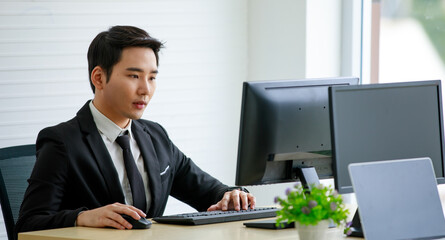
point(398, 199)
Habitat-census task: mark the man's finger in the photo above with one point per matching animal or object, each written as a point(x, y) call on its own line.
point(244, 200)
point(225, 201)
point(235, 199)
point(252, 200)
point(214, 207)
point(107, 222)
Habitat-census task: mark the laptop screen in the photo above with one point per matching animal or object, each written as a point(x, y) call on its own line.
point(398, 199)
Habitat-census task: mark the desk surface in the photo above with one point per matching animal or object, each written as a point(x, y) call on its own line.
point(223, 231)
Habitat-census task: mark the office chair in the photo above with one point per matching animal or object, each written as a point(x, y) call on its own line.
point(16, 164)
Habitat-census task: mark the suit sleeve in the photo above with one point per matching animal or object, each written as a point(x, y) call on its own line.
point(193, 185)
point(42, 204)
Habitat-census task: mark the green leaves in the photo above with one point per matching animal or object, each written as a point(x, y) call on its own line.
point(321, 203)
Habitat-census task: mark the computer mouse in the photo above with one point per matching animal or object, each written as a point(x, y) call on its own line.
point(142, 223)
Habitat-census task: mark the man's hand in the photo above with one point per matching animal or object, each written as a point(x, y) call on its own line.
point(234, 200)
point(109, 216)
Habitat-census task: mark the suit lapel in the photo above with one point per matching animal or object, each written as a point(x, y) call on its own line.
point(101, 155)
point(142, 136)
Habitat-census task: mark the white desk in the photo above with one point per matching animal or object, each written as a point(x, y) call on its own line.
point(220, 231)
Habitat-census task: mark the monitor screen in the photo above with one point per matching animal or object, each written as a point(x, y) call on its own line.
point(285, 124)
point(385, 122)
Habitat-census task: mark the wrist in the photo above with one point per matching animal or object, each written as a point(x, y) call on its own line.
point(78, 221)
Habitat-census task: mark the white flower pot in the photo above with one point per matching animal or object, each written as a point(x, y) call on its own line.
point(313, 232)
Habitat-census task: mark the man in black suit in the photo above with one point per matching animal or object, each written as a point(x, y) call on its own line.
point(81, 178)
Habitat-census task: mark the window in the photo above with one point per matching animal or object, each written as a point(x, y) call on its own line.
point(412, 40)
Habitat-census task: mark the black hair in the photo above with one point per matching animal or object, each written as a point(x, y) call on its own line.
point(106, 48)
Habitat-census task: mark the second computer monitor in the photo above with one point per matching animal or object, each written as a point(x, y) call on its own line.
point(384, 122)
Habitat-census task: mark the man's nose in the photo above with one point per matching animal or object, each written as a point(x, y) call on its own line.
point(144, 87)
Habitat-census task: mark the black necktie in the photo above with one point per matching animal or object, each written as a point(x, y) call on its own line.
point(134, 177)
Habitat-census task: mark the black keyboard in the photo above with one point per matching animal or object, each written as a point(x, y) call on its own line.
point(199, 218)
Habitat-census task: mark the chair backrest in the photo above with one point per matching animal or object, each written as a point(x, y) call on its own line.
point(16, 164)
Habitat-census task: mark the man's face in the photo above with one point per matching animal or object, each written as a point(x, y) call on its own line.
point(130, 86)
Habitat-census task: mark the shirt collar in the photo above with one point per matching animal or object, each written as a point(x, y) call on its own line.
point(106, 126)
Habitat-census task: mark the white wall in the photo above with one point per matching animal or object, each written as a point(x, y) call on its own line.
point(323, 38)
point(44, 76)
point(291, 39)
point(277, 39)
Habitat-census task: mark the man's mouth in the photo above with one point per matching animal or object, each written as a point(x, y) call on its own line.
point(140, 104)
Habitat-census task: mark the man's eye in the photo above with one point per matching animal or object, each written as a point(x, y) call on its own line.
point(152, 78)
point(134, 76)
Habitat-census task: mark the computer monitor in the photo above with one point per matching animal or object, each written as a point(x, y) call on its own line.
point(384, 122)
point(285, 125)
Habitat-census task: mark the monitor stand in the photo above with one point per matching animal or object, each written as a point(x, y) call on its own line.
point(307, 176)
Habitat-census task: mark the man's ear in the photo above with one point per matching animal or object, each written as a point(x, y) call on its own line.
point(98, 78)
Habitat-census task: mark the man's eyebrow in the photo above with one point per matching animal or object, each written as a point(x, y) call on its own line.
point(134, 69)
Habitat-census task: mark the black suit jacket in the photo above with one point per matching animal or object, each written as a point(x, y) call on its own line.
point(74, 172)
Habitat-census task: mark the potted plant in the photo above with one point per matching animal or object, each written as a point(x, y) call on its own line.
point(312, 211)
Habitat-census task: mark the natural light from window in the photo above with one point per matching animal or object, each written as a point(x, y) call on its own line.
point(412, 40)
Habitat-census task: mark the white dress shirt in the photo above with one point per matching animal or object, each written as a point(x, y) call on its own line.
point(109, 131)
